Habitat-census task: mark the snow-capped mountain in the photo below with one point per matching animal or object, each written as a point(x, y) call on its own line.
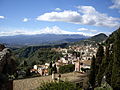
point(53, 35)
point(54, 30)
point(47, 30)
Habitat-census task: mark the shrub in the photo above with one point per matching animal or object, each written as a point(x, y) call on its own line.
point(58, 86)
point(67, 68)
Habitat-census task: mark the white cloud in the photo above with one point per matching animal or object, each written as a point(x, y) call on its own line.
point(25, 20)
point(82, 29)
point(87, 30)
point(58, 30)
point(116, 5)
point(53, 30)
point(86, 15)
point(57, 9)
point(65, 16)
point(93, 30)
point(2, 17)
point(47, 30)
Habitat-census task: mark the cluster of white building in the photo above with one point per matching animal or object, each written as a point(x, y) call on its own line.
point(82, 60)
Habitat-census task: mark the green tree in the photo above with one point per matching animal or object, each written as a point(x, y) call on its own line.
point(67, 68)
point(115, 80)
point(50, 66)
point(55, 68)
point(50, 69)
point(92, 73)
point(103, 66)
point(99, 58)
point(108, 71)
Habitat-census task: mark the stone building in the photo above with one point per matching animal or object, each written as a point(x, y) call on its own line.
point(82, 64)
point(77, 66)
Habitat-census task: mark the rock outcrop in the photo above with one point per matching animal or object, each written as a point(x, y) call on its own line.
point(7, 66)
point(5, 55)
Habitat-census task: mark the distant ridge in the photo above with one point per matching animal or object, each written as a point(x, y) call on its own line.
point(98, 38)
point(93, 40)
point(40, 39)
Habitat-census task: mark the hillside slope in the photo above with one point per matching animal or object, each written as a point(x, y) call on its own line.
point(93, 40)
point(108, 62)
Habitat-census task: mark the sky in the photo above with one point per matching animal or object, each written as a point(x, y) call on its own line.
point(87, 17)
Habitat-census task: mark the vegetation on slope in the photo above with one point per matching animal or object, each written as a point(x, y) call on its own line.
point(108, 64)
point(98, 38)
point(115, 79)
point(93, 40)
point(43, 55)
point(29, 56)
point(58, 86)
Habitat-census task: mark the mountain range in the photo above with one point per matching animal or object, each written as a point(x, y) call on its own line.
point(40, 39)
point(46, 36)
point(29, 50)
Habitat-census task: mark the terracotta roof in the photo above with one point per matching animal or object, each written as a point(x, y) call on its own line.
point(33, 70)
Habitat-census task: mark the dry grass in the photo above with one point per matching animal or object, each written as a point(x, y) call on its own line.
point(33, 83)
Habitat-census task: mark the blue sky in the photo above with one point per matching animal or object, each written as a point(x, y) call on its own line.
point(87, 17)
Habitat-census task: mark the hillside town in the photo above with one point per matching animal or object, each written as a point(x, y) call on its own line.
point(79, 56)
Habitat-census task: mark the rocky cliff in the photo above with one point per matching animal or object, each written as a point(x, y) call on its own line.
point(7, 66)
point(5, 54)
